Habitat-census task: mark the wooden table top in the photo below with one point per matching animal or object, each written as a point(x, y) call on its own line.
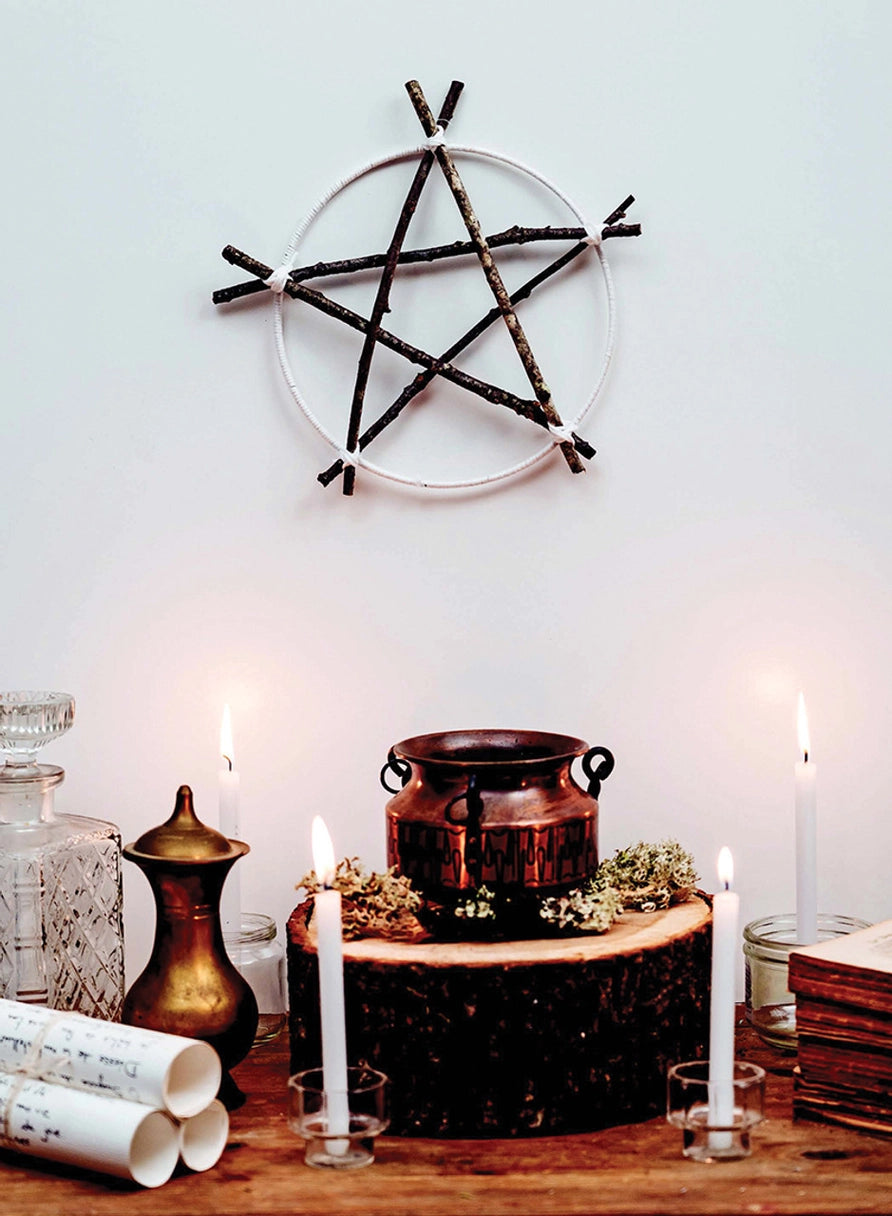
point(634, 1169)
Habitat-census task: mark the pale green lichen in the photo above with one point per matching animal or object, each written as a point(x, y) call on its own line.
point(374, 904)
point(648, 876)
point(584, 909)
point(479, 906)
point(643, 877)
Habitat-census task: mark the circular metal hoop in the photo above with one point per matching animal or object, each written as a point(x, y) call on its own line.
point(279, 330)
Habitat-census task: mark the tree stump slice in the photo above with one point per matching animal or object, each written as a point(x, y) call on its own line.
point(522, 1037)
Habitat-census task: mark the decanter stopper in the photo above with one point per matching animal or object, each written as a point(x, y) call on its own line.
point(28, 720)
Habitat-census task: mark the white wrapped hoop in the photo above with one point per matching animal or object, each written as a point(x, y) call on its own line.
point(288, 260)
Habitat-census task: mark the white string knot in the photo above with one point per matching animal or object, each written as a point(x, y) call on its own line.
point(437, 140)
point(351, 458)
point(561, 433)
point(592, 238)
point(278, 280)
point(31, 1069)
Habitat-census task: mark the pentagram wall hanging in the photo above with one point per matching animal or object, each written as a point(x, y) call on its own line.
point(558, 420)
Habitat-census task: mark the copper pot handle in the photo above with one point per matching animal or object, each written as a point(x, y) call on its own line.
point(470, 821)
point(473, 806)
point(601, 773)
point(402, 768)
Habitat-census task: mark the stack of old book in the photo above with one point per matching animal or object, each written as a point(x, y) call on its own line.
point(843, 991)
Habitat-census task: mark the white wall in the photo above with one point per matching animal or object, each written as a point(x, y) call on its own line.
point(167, 547)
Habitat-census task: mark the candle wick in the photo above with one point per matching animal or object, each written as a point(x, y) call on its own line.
point(805, 757)
point(228, 761)
point(727, 886)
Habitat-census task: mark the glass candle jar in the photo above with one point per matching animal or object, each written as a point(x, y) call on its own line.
point(349, 1142)
point(767, 945)
point(694, 1103)
point(260, 959)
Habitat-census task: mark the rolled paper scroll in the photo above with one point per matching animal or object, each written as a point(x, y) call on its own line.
point(203, 1137)
point(62, 1124)
point(179, 1075)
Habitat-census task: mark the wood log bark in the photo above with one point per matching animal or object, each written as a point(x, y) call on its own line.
point(517, 1038)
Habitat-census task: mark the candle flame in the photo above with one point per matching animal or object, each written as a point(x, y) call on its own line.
point(802, 727)
point(323, 852)
point(226, 749)
point(725, 867)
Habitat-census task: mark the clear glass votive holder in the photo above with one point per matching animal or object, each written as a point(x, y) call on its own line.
point(715, 1116)
point(767, 945)
point(346, 1144)
point(260, 959)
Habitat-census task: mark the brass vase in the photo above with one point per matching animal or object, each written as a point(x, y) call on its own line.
point(189, 985)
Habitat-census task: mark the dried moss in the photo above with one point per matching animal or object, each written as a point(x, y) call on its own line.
point(583, 909)
point(643, 877)
point(373, 904)
point(648, 876)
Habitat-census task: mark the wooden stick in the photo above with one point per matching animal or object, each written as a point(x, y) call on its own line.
point(382, 296)
point(620, 214)
point(423, 379)
point(516, 235)
point(491, 272)
point(298, 291)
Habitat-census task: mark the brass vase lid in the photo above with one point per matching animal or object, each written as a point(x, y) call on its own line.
point(183, 837)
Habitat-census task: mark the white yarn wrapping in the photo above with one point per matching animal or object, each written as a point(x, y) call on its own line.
point(278, 280)
point(356, 459)
point(562, 434)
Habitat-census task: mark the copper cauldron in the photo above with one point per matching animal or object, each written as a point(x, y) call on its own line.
point(495, 808)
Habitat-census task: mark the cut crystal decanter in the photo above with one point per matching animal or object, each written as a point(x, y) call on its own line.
point(61, 933)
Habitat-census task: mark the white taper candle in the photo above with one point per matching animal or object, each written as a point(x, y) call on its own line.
point(806, 837)
point(231, 900)
point(725, 915)
point(327, 915)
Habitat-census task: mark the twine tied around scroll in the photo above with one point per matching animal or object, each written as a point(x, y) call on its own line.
point(30, 1069)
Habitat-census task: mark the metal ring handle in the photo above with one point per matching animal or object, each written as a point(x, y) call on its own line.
point(599, 774)
point(473, 810)
point(402, 768)
point(449, 814)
